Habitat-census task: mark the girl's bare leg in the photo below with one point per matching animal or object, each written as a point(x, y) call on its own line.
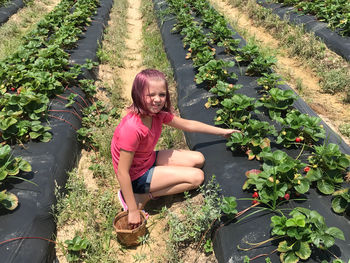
point(180, 158)
point(177, 171)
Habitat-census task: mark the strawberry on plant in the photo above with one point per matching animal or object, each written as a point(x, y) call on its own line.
point(254, 202)
point(297, 139)
point(255, 195)
point(286, 196)
point(13, 89)
point(306, 169)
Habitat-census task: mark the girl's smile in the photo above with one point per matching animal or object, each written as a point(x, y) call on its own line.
point(155, 96)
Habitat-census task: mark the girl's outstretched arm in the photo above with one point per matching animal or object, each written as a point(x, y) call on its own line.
point(125, 161)
point(197, 126)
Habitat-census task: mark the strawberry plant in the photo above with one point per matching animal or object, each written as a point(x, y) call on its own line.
point(224, 90)
point(304, 231)
point(278, 101)
point(75, 248)
point(253, 137)
point(184, 19)
point(220, 31)
point(279, 176)
point(209, 16)
point(341, 200)
point(261, 64)
point(328, 166)
point(228, 206)
point(298, 125)
point(9, 168)
point(230, 45)
point(248, 53)
point(269, 81)
point(192, 32)
point(214, 71)
point(202, 55)
point(236, 109)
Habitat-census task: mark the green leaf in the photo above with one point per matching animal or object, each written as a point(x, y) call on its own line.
point(339, 204)
point(290, 257)
point(314, 174)
point(283, 247)
point(335, 232)
point(325, 187)
point(303, 187)
point(304, 251)
point(3, 174)
point(24, 166)
point(8, 200)
point(6, 123)
point(4, 151)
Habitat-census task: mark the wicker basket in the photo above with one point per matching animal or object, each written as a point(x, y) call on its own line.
point(128, 237)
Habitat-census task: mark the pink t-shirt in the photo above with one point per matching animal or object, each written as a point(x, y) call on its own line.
point(132, 135)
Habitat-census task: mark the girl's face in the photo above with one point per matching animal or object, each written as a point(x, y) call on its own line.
point(155, 95)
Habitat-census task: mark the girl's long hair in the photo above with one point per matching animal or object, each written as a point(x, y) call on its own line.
point(141, 83)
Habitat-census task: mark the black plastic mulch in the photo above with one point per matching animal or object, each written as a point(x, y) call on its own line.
point(9, 9)
point(50, 163)
point(339, 44)
point(230, 167)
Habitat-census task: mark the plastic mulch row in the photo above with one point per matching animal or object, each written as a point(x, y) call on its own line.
point(10, 9)
point(50, 163)
point(339, 44)
point(230, 167)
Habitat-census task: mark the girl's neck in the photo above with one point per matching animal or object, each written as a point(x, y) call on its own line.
point(147, 121)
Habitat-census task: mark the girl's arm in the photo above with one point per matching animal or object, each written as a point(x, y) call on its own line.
point(196, 126)
point(124, 164)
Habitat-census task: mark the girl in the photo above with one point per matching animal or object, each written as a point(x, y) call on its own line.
point(144, 174)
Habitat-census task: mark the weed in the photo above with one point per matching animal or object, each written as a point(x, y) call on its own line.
point(334, 81)
point(139, 257)
point(345, 129)
point(299, 85)
point(194, 220)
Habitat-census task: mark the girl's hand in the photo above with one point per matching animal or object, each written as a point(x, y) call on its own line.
point(228, 132)
point(134, 219)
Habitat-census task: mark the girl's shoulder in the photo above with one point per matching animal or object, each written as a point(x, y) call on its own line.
point(130, 120)
point(165, 116)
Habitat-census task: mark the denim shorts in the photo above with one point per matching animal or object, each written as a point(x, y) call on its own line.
point(142, 184)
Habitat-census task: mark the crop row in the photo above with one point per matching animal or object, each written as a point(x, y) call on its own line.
point(35, 74)
point(336, 13)
point(281, 176)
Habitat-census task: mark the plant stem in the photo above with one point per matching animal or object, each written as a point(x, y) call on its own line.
point(302, 149)
point(261, 255)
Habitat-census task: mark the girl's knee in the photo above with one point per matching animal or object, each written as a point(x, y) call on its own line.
point(198, 159)
point(197, 177)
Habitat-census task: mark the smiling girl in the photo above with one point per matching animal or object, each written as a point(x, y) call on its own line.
point(143, 173)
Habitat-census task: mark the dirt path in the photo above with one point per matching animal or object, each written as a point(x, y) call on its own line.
point(133, 62)
point(329, 107)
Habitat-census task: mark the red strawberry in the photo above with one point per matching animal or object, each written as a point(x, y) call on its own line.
point(13, 89)
point(306, 169)
point(254, 202)
point(297, 139)
point(255, 195)
point(286, 196)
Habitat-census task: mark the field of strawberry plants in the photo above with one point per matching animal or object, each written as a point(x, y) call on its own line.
point(284, 178)
point(286, 164)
